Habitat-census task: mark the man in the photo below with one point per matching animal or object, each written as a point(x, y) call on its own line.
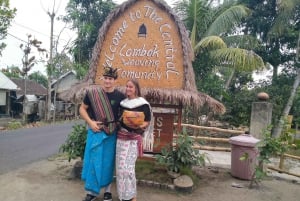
point(100, 109)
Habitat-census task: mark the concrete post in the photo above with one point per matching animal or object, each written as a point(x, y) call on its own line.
point(261, 117)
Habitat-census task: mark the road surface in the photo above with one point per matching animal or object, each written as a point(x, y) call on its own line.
point(27, 145)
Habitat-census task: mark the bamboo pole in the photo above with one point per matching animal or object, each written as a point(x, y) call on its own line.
point(281, 161)
point(214, 139)
point(236, 132)
point(292, 156)
point(212, 148)
point(283, 171)
point(226, 140)
point(209, 148)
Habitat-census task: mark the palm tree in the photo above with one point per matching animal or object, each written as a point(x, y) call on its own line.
point(287, 9)
point(214, 32)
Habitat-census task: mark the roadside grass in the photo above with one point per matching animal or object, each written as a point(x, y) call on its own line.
point(152, 171)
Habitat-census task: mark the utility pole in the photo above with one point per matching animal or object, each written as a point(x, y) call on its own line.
point(28, 63)
point(50, 66)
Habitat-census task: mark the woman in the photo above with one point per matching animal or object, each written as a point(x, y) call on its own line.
point(136, 117)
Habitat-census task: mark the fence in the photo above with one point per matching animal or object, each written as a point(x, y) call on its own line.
point(226, 141)
point(217, 140)
point(280, 168)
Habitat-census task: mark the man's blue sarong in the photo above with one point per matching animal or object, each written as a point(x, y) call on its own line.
point(99, 160)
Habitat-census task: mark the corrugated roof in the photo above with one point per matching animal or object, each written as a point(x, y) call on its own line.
point(33, 87)
point(6, 83)
point(63, 76)
point(31, 98)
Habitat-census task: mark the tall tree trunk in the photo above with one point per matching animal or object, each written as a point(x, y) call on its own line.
point(278, 129)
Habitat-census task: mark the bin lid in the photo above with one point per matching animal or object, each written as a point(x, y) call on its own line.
point(244, 140)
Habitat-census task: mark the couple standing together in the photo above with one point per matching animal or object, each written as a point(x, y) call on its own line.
point(114, 140)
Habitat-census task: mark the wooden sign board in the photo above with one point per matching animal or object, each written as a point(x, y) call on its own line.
point(144, 43)
point(163, 130)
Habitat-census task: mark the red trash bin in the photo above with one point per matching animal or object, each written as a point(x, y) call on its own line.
point(243, 145)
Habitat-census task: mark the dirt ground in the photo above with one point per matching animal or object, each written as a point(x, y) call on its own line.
point(49, 180)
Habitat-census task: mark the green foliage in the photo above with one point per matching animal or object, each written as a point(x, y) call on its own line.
point(39, 78)
point(206, 79)
point(150, 170)
point(61, 64)
point(210, 25)
point(86, 16)
point(75, 143)
point(14, 125)
point(12, 71)
point(269, 147)
point(267, 23)
point(182, 156)
point(6, 16)
point(28, 60)
point(220, 54)
point(81, 69)
point(295, 111)
point(279, 92)
point(238, 100)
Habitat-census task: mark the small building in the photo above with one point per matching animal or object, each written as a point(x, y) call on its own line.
point(64, 82)
point(7, 94)
point(64, 109)
point(35, 99)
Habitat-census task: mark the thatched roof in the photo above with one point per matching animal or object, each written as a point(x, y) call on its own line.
point(188, 95)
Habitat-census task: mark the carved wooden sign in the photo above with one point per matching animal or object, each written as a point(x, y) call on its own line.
point(163, 130)
point(143, 42)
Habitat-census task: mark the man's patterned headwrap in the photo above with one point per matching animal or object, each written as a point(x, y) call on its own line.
point(110, 72)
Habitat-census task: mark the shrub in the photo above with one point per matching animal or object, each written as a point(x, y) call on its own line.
point(14, 125)
point(182, 156)
point(75, 143)
point(268, 147)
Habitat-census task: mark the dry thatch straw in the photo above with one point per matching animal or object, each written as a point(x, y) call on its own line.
point(188, 95)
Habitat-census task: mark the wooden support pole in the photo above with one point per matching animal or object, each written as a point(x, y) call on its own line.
point(283, 171)
point(212, 148)
point(226, 140)
point(292, 156)
point(281, 161)
point(209, 148)
point(235, 132)
point(214, 139)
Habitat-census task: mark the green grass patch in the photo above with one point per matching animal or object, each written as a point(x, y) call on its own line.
point(295, 150)
point(191, 174)
point(150, 170)
point(13, 125)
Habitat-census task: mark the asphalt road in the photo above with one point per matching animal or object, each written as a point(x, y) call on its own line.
point(27, 145)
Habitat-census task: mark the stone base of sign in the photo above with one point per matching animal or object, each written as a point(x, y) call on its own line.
point(183, 184)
